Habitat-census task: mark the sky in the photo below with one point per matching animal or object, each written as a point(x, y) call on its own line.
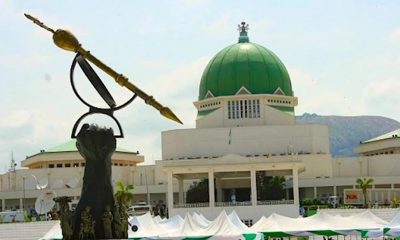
point(343, 58)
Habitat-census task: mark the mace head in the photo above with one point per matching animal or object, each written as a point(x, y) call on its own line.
point(66, 40)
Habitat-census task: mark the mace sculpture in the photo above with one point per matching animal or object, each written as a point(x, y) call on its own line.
point(97, 215)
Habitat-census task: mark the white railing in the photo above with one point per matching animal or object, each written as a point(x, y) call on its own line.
point(232, 204)
point(275, 202)
point(191, 205)
point(227, 204)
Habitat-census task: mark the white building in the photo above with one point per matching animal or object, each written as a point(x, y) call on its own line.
point(245, 128)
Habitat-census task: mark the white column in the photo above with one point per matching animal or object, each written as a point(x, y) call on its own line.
point(180, 182)
point(21, 203)
point(218, 186)
point(295, 185)
point(131, 176)
point(369, 192)
point(211, 187)
point(315, 192)
point(3, 205)
point(334, 191)
point(253, 187)
point(170, 199)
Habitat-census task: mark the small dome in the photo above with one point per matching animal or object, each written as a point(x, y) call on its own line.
point(247, 65)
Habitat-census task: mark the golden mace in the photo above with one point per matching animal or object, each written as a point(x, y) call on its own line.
point(67, 41)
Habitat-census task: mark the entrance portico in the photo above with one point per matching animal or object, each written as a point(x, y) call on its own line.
point(234, 185)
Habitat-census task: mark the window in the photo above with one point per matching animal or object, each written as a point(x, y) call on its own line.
point(76, 165)
point(245, 108)
point(258, 108)
point(229, 109)
point(59, 165)
point(248, 222)
point(238, 109)
point(68, 165)
point(51, 165)
point(82, 164)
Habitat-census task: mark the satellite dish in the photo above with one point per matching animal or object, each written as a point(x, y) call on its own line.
point(44, 203)
point(42, 183)
point(72, 183)
point(58, 183)
point(135, 228)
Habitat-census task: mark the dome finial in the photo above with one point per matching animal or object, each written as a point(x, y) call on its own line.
point(243, 27)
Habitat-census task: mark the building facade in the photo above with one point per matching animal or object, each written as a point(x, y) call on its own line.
point(245, 129)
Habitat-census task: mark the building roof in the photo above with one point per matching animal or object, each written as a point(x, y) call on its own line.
point(247, 65)
point(389, 135)
point(70, 146)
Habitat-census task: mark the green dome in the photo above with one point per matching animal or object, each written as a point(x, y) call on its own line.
point(244, 64)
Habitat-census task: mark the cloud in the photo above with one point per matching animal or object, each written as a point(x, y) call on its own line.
point(382, 96)
point(315, 97)
point(178, 88)
point(15, 119)
point(24, 61)
point(395, 34)
point(193, 3)
point(222, 24)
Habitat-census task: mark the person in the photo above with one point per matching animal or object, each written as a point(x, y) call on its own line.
point(302, 211)
point(376, 204)
point(233, 196)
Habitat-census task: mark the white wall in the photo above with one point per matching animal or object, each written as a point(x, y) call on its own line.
point(268, 116)
point(276, 139)
point(378, 146)
point(316, 165)
point(379, 165)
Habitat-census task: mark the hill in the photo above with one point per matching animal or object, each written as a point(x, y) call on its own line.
point(347, 132)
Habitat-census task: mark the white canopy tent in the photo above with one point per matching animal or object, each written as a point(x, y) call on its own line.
point(320, 224)
point(196, 226)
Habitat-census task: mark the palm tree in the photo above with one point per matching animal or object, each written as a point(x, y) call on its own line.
point(363, 183)
point(124, 194)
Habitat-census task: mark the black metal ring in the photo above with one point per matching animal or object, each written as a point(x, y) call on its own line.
point(121, 133)
point(101, 89)
point(81, 99)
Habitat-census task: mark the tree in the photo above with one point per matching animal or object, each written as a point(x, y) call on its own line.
point(124, 194)
point(198, 192)
point(363, 184)
point(270, 187)
point(274, 189)
point(123, 197)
